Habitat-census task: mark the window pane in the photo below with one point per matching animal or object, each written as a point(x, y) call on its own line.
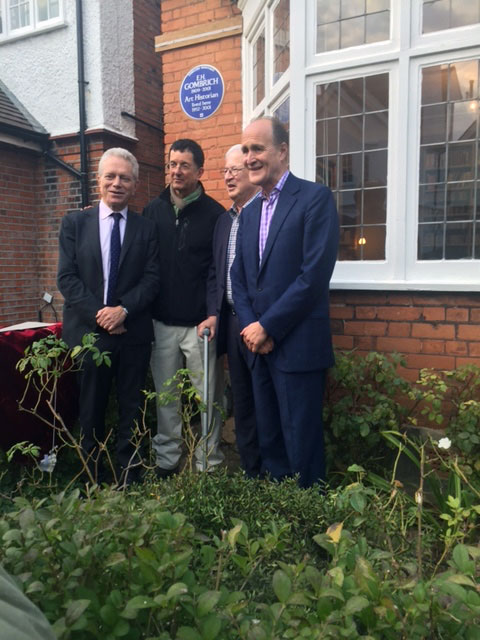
point(374, 206)
point(19, 13)
point(434, 84)
point(464, 13)
point(376, 92)
point(377, 5)
point(259, 70)
point(435, 15)
point(458, 241)
point(327, 100)
point(460, 201)
point(461, 161)
point(327, 11)
point(372, 243)
point(463, 78)
point(434, 124)
point(448, 171)
point(462, 120)
point(351, 23)
point(283, 113)
point(351, 134)
point(376, 130)
point(377, 27)
point(432, 163)
point(362, 161)
point(328, 37)
point(327, 137)
point(48, 9)
point(327, 171)
point(351, 96)
point(449, 14)
point(430, 241)
point(352, 32)
point(281, 38)
point(351, 8)
point(350, 170)
point(350, 207)
point(431, 203)
point(375, 169)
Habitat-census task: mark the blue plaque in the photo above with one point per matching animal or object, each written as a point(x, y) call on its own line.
point(201, 92)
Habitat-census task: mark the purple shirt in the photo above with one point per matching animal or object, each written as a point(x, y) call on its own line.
point(268, 209)
point(105, 226)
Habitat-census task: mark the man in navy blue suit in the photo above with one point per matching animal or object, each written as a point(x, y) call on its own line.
point(222, 319)
point(286, 250)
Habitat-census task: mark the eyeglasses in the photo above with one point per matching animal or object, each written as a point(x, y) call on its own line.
point(183, 166)
point(233, 170)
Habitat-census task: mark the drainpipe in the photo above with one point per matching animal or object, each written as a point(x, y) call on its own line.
point(81, 106)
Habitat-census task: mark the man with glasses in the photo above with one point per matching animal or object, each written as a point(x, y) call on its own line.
point(222, 319)
point(185, 217)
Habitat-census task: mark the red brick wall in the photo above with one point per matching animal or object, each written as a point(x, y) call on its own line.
point(437, 330)
point(18, 222)
point(222, 130)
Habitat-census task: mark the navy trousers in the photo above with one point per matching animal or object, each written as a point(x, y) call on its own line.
point(289, 421)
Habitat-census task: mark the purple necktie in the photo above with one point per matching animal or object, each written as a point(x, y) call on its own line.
point(115, 247)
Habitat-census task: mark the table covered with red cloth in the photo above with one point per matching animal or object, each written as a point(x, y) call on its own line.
point(16, 425)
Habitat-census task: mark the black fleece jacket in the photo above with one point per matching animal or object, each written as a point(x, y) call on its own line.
point(185, 256)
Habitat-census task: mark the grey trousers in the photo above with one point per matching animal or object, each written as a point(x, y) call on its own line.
point(172, 345)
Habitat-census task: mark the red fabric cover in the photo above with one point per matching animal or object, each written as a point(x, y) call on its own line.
point(16, 425)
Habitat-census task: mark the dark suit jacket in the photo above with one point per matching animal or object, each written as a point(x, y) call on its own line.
point(80, 275)
point(216, 303)
point(288, 294)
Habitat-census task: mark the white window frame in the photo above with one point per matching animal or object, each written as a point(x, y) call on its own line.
point(260, 17)
point(403, 57)
point(8, 34)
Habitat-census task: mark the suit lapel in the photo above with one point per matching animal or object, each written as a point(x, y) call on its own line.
point(93, 227)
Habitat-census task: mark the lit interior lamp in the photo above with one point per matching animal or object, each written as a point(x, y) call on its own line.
point(362, 240)
point(473, 105)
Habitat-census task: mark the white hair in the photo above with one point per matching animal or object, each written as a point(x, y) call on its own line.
point(236, 147)
point(119, 152)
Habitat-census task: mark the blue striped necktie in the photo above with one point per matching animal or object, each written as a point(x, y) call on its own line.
point(115, 247)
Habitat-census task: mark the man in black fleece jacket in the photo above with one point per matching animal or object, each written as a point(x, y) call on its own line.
point(185, 218)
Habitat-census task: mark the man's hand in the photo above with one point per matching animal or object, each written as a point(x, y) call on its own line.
point(209, 323)
point(118, 330)
point(111, 318)
point(266, 347)
point(255, 336)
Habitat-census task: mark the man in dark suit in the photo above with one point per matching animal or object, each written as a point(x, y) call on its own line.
point(222, 319)
point(108, 274)
point(286, 249)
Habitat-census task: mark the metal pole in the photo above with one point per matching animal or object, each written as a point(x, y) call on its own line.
point(205, 413)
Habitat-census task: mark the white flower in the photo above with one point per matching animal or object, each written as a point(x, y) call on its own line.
point(444, 443)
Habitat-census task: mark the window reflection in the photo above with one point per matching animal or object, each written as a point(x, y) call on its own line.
point(281, 38)
point(352, 159)
point(259, 69)
point(448, 172)
point(439, 15)
point(351, 23)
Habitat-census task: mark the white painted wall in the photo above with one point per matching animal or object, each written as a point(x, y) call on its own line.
point(41, 69)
